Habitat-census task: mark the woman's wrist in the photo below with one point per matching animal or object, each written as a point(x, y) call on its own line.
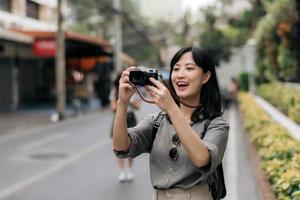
point(173, 110)
point(122, 102)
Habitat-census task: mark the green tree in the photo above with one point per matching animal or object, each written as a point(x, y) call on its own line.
point(276, 50)
point(213, 38)
point(93, 17)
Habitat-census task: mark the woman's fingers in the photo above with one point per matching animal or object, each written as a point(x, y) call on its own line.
point(156, 83)
point(125, 74)
point(152, 90)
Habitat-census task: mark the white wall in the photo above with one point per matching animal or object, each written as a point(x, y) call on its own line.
point(242, 60)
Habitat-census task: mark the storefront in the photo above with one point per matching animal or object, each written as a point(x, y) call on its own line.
point(84, 55)
point(28, 78)
point(15, 51)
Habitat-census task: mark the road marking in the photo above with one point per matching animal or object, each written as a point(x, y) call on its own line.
point(231, 162)
point(42, 142)
point(48, 172)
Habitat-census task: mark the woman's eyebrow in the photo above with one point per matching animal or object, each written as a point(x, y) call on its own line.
point(191, 63)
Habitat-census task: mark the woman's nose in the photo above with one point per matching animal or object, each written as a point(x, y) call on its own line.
point(180, 73)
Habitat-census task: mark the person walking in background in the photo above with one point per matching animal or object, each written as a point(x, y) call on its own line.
point(181, 160)
point(125, 165)
point(233, 89)
point(103, 81)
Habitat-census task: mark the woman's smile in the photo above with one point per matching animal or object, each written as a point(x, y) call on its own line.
point(187, 77)
point(182, 85)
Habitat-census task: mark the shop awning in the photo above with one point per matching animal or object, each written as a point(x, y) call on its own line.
point(81, 50)
point(15, 37)
point(77, 45)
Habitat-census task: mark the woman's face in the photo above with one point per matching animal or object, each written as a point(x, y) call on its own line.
point(187, 78)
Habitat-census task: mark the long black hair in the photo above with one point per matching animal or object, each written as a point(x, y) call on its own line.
point(210, 97)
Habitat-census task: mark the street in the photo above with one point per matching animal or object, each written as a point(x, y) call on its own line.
point(73, 159)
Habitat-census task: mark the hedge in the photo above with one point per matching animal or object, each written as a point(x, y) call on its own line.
point(278, 151)
point(283, 97)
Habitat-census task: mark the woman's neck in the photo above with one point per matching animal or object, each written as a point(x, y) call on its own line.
point(187, 111)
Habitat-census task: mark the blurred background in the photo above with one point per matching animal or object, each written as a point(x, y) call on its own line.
point(58, 61)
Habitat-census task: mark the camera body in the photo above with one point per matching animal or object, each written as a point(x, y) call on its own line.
point(141, 77)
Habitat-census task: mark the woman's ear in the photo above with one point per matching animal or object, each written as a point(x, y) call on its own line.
point(206, 77)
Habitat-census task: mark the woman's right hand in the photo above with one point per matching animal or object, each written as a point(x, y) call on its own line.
point(126, 89)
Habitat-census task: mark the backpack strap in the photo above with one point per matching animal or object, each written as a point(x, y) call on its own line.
point(156, 124)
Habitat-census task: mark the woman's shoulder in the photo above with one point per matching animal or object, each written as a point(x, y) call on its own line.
point(219, 121)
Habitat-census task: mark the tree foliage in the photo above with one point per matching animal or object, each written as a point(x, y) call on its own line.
point(213, 38)
point(94, 17)
point(276, 50)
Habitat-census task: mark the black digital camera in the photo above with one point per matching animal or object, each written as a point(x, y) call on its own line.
point(141, 77)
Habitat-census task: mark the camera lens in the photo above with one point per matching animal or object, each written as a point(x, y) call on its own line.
point(139, 77)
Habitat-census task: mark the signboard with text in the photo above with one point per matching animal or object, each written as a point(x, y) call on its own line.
point(44, 48)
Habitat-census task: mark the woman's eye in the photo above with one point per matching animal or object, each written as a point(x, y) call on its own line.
point(175, 69)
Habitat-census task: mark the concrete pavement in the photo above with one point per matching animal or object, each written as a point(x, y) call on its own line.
point(239, 175)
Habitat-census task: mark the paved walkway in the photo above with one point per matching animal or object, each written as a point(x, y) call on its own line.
point(238, 165)
point(239, 175)
point(23, 119)
point(10, 122)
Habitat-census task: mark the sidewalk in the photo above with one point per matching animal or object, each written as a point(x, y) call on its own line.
point(23, 119)
point(241, 181)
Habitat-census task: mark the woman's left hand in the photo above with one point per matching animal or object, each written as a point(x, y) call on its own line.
point(160, 95)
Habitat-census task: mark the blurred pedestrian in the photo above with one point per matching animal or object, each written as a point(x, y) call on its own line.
point(233, 89)
point(102, 84)
point(125, 165)
point(180, 159)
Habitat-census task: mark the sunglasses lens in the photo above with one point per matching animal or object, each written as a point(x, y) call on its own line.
point(173, 153)
point(175, 139)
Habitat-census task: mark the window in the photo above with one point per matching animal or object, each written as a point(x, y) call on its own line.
point(32, 9)
point(5, 5)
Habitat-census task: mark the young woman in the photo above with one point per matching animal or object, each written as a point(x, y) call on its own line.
point(180, 161)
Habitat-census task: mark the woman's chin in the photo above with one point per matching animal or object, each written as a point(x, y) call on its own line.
point(181, 95)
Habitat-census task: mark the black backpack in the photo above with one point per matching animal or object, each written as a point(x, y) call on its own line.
point(215, 181)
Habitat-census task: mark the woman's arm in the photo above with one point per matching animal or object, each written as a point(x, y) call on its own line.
point(121, 140)
point(192, 143)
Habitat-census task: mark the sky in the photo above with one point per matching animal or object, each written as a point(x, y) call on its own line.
point(195, 4)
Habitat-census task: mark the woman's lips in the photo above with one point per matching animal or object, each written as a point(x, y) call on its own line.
point(181, 85)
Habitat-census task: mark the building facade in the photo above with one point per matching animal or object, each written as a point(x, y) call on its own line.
point(28, 14)
point(28, 49)
point(18, 65)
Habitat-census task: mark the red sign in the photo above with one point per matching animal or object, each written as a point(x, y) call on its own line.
point(44, 48)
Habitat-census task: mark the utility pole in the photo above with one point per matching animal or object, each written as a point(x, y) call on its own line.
point(118, 35)
point(60, 64)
